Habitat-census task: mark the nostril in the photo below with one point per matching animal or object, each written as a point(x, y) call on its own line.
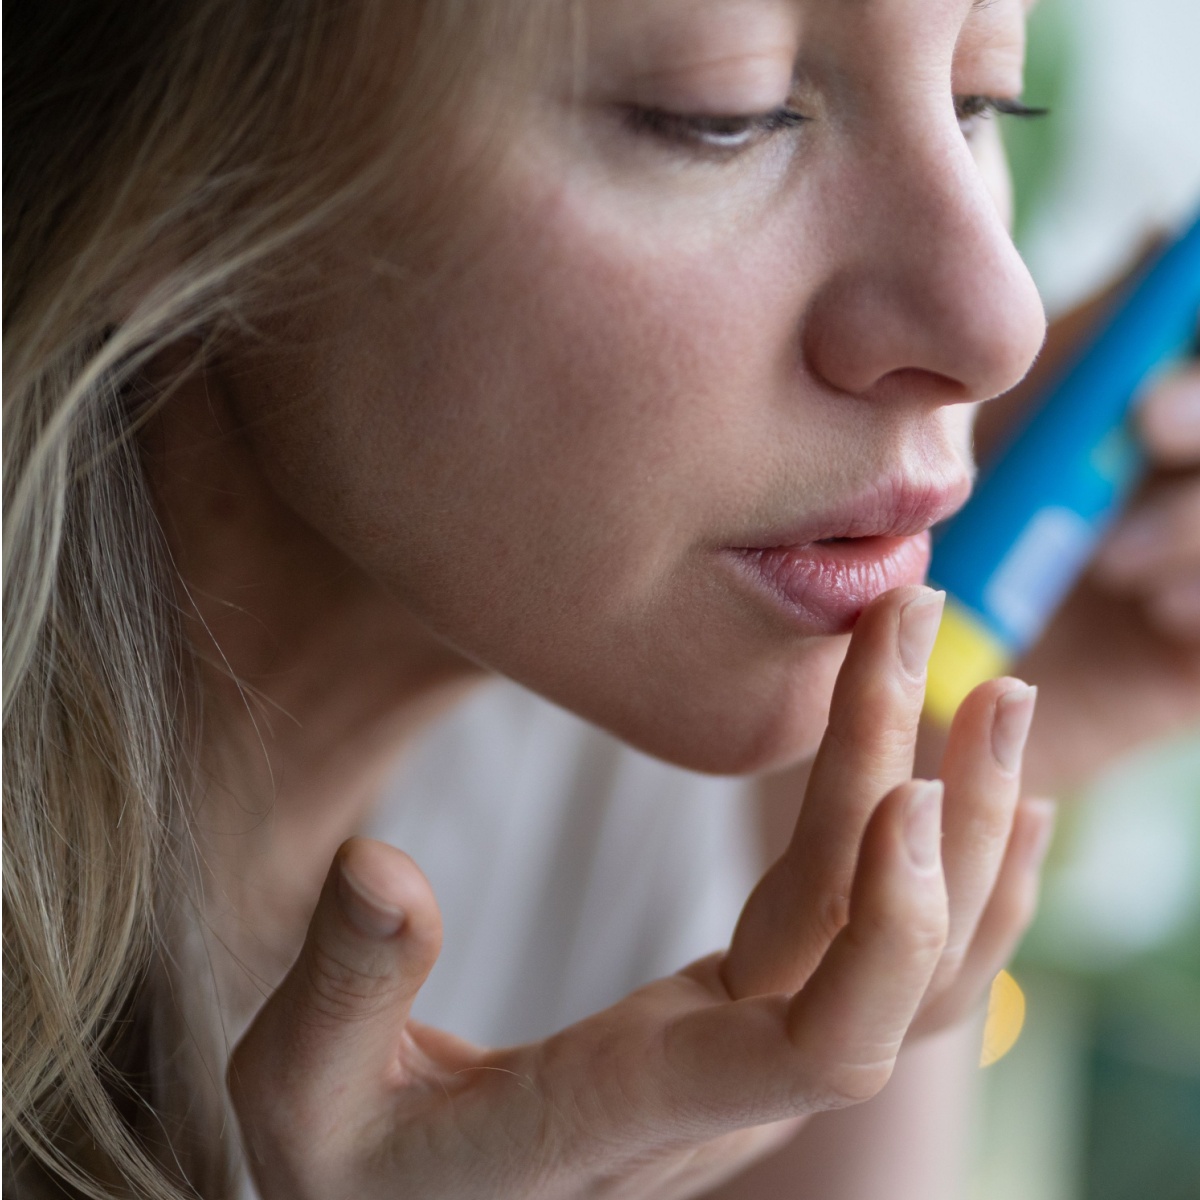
point(916, 384)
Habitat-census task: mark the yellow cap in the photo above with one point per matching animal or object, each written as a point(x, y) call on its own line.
point(964, 655)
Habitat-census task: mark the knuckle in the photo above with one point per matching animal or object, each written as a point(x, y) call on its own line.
point(881, 714)
point(913, 935)
point(339, 988)
point(949, 965)
point(987, 823)
point(849, 1084)
point(923, 938)
point(928, 937)
point(831, 914)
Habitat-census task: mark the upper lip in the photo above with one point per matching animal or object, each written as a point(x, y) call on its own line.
point(894, 506)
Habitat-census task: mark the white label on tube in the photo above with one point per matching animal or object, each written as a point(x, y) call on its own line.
point(1038, 571)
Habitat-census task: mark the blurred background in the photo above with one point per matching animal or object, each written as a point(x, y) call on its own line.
point(1100, 1099)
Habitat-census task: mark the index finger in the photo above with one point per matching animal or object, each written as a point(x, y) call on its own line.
point(867, 750)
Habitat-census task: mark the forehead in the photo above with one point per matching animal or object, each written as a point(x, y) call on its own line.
point(655, 32)
point(765, 15)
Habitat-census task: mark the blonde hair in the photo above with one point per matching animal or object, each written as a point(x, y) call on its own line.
point(163, 164)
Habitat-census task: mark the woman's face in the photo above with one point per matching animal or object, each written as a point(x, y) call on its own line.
point(746, 273)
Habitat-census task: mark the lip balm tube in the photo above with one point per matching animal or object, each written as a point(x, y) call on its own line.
point(1013, 552)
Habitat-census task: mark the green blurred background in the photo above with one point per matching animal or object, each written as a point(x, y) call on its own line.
point(1100, 1099)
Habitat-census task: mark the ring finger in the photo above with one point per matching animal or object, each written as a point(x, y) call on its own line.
point(981, 769)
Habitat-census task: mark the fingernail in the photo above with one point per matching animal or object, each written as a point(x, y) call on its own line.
point(923, 823)
point(1011, 719)
point(919, 620)
point(1043, 831)
point(1174, 411)
point(370, 916)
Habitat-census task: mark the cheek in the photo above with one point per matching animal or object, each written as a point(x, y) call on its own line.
point(540, 457)
point(596, 396)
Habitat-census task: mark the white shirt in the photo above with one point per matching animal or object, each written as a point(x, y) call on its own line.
point(569, 868)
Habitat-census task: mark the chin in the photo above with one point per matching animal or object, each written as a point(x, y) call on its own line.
point(753, 729)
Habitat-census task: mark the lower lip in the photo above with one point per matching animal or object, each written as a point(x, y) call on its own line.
point(824, 586)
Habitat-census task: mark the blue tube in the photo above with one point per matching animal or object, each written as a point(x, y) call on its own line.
point(1010, 556)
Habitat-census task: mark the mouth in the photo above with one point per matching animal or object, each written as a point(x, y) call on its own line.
point(823, 571)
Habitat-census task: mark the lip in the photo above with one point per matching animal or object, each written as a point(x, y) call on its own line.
point(882, 542)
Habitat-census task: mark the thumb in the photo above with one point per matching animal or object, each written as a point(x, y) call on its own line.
point(339, 1015)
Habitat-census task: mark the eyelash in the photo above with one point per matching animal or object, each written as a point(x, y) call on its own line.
point(730, 135)
point(971, 110)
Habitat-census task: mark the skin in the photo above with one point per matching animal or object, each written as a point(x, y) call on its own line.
point(664, 353)
point(689, 1078)
point(532, 466)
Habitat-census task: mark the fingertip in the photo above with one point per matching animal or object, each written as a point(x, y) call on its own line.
point(888, 607)
point(983, 695)
point(364, 910)
point(381, 892)
point(976, 718)
point(919, 621)
point(373, 869)
point(880, 688)
point(338, 1015)
point(1012, 719)
point(1169, 416)
point(903, 839)
point(897, 597)
point(1139, 546)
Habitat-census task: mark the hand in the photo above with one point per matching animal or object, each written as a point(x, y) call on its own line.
point(1120, 665)
point(993, 842)
point(340, 1094)
point(1154, 553)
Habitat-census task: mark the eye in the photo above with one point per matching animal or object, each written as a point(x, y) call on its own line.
point(972, 110)
point(719, 135)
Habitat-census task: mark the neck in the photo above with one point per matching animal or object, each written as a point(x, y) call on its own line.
point(313, 677)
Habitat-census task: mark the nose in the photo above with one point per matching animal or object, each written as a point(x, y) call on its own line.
point(928, 296)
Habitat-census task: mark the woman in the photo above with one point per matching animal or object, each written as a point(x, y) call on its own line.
point(359, 350)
